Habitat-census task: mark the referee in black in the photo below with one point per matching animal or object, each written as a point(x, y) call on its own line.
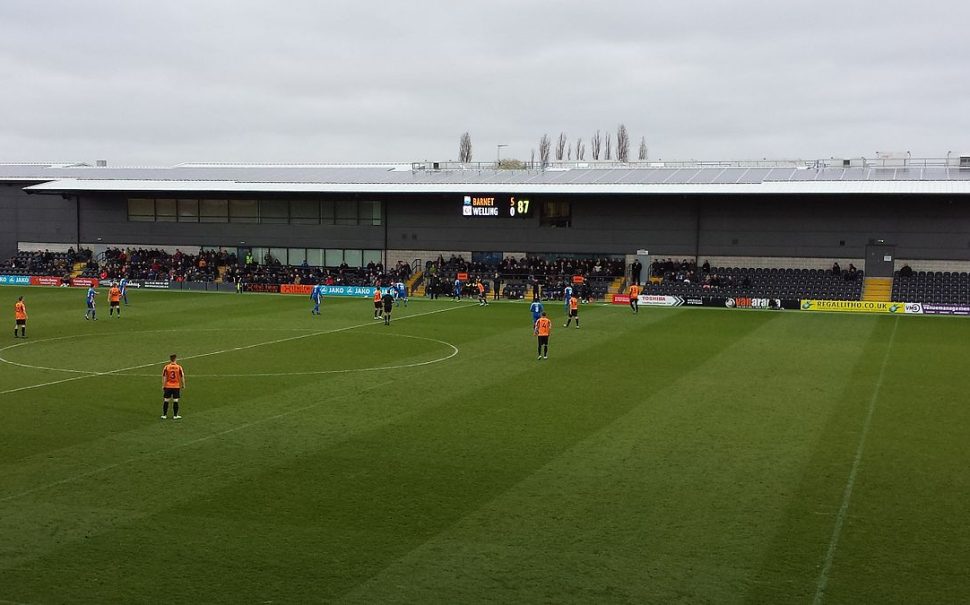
point(388, 302)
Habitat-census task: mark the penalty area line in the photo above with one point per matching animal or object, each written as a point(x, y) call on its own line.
point(231, 350)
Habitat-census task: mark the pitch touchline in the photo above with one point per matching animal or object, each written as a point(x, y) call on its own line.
point(242, 348)
point(823, 578)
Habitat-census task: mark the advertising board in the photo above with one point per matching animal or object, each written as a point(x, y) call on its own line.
point(362, 291)
point(938, 309)
point(15, 280)
point(853, 306)
point(45, 280)
point(84, 282)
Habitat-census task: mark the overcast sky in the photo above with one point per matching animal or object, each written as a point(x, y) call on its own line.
point(236, 80)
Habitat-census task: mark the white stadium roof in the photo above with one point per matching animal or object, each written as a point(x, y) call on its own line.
point(902, 176)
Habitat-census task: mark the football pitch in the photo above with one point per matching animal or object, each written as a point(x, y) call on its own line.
point(675, 456)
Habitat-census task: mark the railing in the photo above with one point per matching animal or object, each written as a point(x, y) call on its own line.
point(886, 161)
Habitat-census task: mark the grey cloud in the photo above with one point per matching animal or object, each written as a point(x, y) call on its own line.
point(348, 81)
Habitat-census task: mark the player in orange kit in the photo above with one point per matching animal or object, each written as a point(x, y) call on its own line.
point(20, 318)
point(114, 300)
point(173, 381)
point(542, 329)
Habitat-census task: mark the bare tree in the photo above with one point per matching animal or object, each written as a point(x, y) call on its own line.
point(580, 150)
point(545, 146)
point(465, 148)
point(595, 144)
point(643, 148)
point(569, 152)
point(608, 155)
point(622, 144)
point(561, 146)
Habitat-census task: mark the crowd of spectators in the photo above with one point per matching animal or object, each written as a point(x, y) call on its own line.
point(157, 264)
point(45, 262)
point(528, 265)
point(272, 271)
point(521, 277)
point(850, 274)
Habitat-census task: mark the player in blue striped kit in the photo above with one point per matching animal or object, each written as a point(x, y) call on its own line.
point(567, 293)
point(316, 295)
point(536, 308)
point(400, 294)
point(91, 312)
point(123, 286)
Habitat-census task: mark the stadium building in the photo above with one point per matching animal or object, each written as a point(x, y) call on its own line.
point(877, 214)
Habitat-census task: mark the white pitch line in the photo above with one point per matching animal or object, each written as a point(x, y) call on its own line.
point(416, 364)
point(108, 467)
point(823, 578)
point(243, 348)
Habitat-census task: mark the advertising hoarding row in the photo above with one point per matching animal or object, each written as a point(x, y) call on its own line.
point(653, 300)
point(361, 291)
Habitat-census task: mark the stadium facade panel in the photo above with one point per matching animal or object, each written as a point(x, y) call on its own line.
point(578, 211)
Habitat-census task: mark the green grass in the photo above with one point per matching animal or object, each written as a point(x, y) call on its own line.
point(678, 456)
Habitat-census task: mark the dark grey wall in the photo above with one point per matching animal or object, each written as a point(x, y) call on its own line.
point(922, 227)
point(606, 225)
point(23, 218)
point(927, 227)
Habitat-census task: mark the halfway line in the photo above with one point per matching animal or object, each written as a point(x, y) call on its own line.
point(823, 578)
point(243, 348)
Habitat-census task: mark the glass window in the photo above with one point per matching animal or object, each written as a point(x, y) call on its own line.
point(334, 257)
point(345, 213)
point(370, 213)
point(314, 257)
point(279, 255)
point(259, 254)
point(141, 210)
point(326, 212)
point(165, 211)
point(214, 211)
point(371, 256)
point(556, 213)
point(353, 258)
point(243, 211)
point(274, 211)
point(188, 211)
point(305, 212)
point(296, 256)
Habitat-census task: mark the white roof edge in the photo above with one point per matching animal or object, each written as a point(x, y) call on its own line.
point(769, 187)
point(294, 165)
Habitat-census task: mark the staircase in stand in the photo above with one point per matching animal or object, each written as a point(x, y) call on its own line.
point(877, 289)
point(415, 284)
point(617, 286)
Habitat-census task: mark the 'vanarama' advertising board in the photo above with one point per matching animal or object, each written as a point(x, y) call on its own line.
point(853, 306)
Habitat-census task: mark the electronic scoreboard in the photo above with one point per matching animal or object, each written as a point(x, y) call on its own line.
point(513, 206)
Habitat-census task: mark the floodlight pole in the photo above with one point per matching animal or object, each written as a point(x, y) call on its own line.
point(498, 153)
